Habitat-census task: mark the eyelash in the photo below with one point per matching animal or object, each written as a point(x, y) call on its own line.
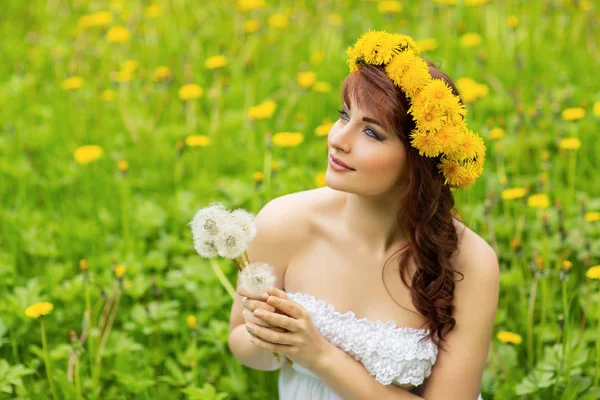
point(376, 136)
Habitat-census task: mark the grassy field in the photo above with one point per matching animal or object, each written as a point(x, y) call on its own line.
point(120, 119)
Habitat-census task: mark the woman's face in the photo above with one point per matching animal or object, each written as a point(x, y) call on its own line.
point(377, 155)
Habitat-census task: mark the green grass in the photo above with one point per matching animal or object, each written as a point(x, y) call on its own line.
point(57, 212)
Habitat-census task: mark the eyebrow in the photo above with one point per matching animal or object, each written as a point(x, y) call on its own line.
point(367, 119)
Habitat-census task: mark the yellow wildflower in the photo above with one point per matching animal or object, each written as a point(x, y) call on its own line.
point(130, 65)
point(447, 2)
point(539, 200)
point(161, 73)
point(324, 128)
point(496, 133)
point(470, 90)
point(389, 6)
point(122, 165)
point(274, 165)
point(320, 179)
point(153, 11)
point(190, 91)
point(427, 143)
point(263, 110)
point(593, 272)
point(512, 21)
point(100, 18)
point(288, 139)
point(278, 21)
point(567, 265)
point(248, 5)
point(415, 78)
point(476, 2)
point(427, 44)
point(118, 34)
point(592, 216)
point(191, 322)
point(572, 114)
point(38, 309)
point(470, 39)
point(83, 264)
point(88, 154)
point(257, 176)
point(569, 144)
point(306, 79)
point(197, 140)
point(515, 243)
point(513, 193)
point(121, 76)
point(509, 337)
point(119, 271)
point(322, 87)
point(251, 25)
point(215, 62)
point(334, 19)
point(596, 109)
point(317, 57)
point(74, 82)
point(108, 95)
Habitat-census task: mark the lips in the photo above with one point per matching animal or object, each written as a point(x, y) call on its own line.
point(338, 161)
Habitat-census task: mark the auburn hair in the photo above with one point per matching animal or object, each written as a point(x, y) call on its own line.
point(427, 206)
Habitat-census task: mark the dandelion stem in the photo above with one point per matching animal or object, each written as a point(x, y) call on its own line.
point(224, 281)
point(597, 371)
point(532, 295)
point(104, 339)
point(88, 317)
point(77, 381)
point(47, 359)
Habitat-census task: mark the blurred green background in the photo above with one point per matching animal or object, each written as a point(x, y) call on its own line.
point(120, 119)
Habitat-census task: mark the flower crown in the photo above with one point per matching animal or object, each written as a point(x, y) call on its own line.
point(438, 114)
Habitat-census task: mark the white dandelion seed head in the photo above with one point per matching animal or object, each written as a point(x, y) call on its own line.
point(246, 220)
point(257, 278)
point(208, 220)
point(231, 240)
point(206, 248)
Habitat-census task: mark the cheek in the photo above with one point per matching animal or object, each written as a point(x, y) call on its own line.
point(385, 164)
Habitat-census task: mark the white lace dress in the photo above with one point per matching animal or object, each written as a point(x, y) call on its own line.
point(391, 354)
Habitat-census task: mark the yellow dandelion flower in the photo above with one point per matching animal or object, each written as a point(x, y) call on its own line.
point(191, 321)
point(509, 337)
point(251, 25)
point(455, 110)
point(539, 200)
point(87, 154)
point(592, 216)
point(118, 34)
point(572, 114)
point(437, 91)
point(274, 166)
point(415, 78)
point(161, 73)
point(320, 179)
point(197, 141)
point(38, 309)
point(352, 57)
point(190, 91)
point(215, 62)
point(513, 193)
point(278, 21)
point(593, 272)
point(427, 143)
point(454, 173)
point(427, 44)
point(100, 18)
point(512, 21)
point(121, 76)
point(476, 2)
point(257, 176)
point(450, 138)
point(249, 5)
point(428, 118)
point(470, 90)
point(447, 2)
point(596, 109)
point(496, 133)
point(335, 19)
point(108, 95)
point(389, 6)
point(153, 11)
point(324, 128)
point(130, 65)
point(567, 265)
point(263, 110)
point(470, 39)
point(119, 271)
point(122, 165)
point(287, 139)
point(74, 82)
point(322, 87)
point(570, 144)
point(83, 264)
point(306, 79)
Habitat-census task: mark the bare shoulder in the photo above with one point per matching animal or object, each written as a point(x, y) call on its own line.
point(474, 255)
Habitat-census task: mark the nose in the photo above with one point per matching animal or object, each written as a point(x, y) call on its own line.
point(341, 138)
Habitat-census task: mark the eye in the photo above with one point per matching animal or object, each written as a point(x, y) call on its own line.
point(342, 113)
point(375, 136)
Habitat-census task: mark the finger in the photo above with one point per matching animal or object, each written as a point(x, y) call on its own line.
point(269, 335)
point(245, 293)
point(254, 304)
point(277, 348)
point(249, 317)
point(275, 291)
point(279, 320)
point(290, 307)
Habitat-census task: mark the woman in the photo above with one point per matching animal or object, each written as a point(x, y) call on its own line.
point(404, 142)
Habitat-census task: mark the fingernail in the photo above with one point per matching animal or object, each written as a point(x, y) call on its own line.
point(264, 296)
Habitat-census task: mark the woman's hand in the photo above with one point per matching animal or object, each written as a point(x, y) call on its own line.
point(301, 342)
point(252, 303)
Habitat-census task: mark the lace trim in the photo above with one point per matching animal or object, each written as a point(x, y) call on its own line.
point(390, 353)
